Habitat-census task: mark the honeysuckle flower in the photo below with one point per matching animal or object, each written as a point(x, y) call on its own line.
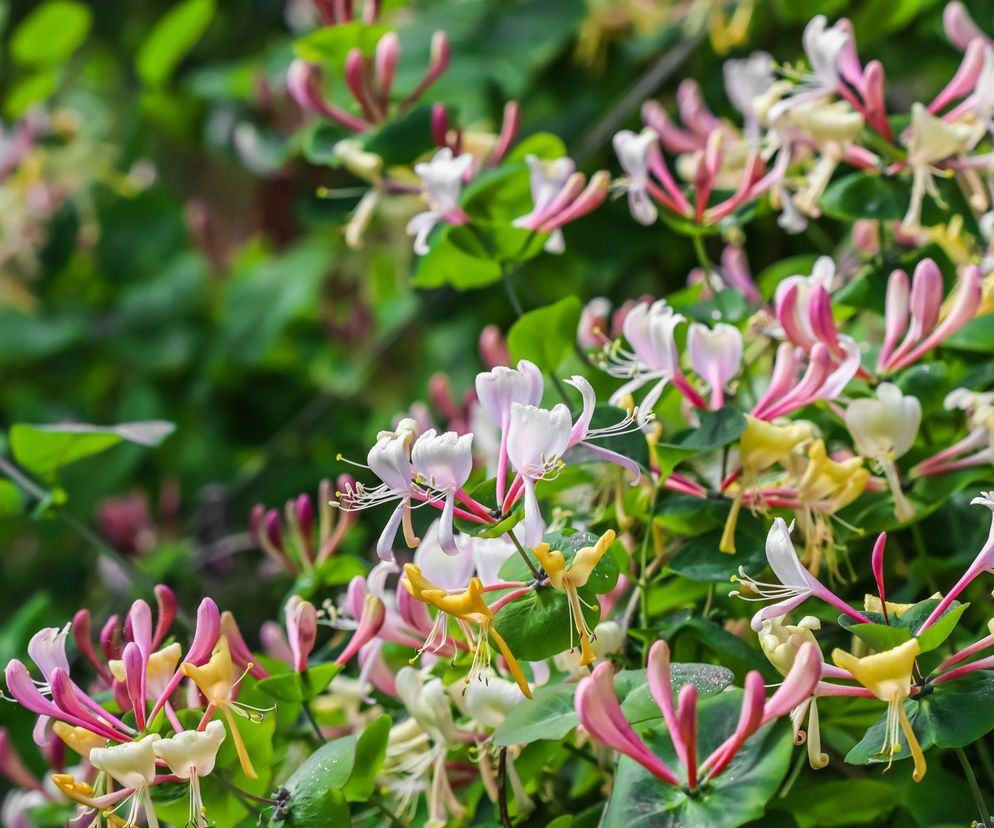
point(301, 629)
point(217, 680)
point(761, 445)
point(389, 459)
point(497, 390)
point(745, 80)
point(888, 676)
point(984, 562)
point(884, 429)
point(442, 180)
point(607, 639)
point(823, 45)
point(794, 583)
point(833, 127)
point(482, 557)
point(369, 611)
point(914, 312)
point(715, 354)
point(600, 713)
point(960, 28)
point(930, 141)
point(489, 704)
point(191, 755)
point(781, 644)
point(977, 448)
point(536, 440)
point(470, 606)
point(159, 670)
point(649, 329)
point(444, 463)
point(633, 151)
point(572, 577)
point(131, 765)
point(560, 195)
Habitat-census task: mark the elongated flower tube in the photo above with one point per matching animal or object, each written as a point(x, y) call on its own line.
point(884, 429)
point(217, 680)
point(571, 577)
point(301, 629)
point(984, 562)
point(497, 390)
point(888, 676)
point(444, 462)
point(536, 441)
point(370, 619)
point(600, 714)
point(823, 45)
point(470, 606)
point(132, 765)
point(960, 28)
point(715, 354)
point(191, 755)
point(794, 583)
point(915, 311)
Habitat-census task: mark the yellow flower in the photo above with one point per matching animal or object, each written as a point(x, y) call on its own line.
point(871, 603)
point(570, 578)
point(470, 606)
point(217, 680)
point(79, 739)
point(888, 676)
point(84, 794)
point(762, 444)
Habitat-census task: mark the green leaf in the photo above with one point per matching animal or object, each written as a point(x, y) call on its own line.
point(171, 39)
point(716, 429)
point(639, 706)
point(952, 714)
point(542, 145)
point(881, 636)
point(402, 140)
point(50, 33)
point(370, 751)
point(977, 336)
point(332, 44)
point(539, 625)
point(843, 802)
point(300, 687)
point(44, 449)
point(11, 500)
point(866, 195)
point(548, 715)
point(545, 336)
point(448, 262)
point(701, 559)
point(740, 794)
point(340, 770)
point(632, 444)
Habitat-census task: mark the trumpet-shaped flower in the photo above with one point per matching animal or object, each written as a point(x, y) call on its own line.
point(888, 676)
point(131, 765)
point(884, 429)
point(469, 606)
point(794, 583)
point(217, 680)
point(633, 150)
point(715, 354)
point(571, 577)
point(442, 181)
point(444, 462)
point(191, 755)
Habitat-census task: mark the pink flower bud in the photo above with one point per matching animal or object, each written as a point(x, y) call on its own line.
point(959, 26)
point(301, 630)
point(304, 512)
point(592, 329)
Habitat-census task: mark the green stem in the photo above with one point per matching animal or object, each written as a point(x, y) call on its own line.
point(512, 294)
point(978, 797)
point(309, 715)
point(524, 555)
point(643, 568)
point(505, 817)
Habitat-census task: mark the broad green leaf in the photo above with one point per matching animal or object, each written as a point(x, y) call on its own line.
point(688, 516)
point(881, 636)
point(403, 140)
point(542, 145)
point(330, 45)
point(952, 714)
point(843, 802)
point(300, 687)
point(50, 33)
point(548, 715)
point(866, 195)
point(569, 541)
point(32, 89)
point(546, 335)
point(539, 624)
point(740, 794)
point(44, 449)
point(176, 33)
point(370, 751)
point(700, 558)
point(11, 500)
point(448, 263)
point(977, 336)
point(716, 429)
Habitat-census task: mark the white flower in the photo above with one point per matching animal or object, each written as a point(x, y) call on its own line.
point(444, 463)
point(500, 387)
point(47, 649)
point(885, 426)
point(480, 556)
point(746, 80)
point(192, 752)
point(442, 180)
point(536, 440)
point(547, 180)
point(488, 704)
point(632, 149)
point(822, 45)
point(132, 765)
